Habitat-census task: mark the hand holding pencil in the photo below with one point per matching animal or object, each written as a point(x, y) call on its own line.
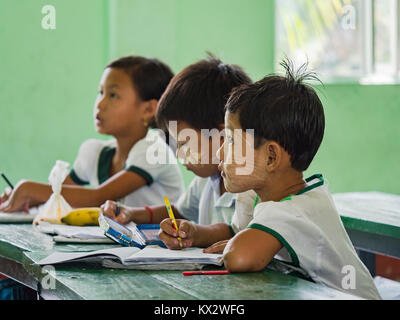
point(15, 198)
point(176, 233)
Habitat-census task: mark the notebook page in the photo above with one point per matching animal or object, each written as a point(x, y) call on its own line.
point(59, 257)
point(19, 216)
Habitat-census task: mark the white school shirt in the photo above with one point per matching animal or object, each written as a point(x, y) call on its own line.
point(315, 242)
point(150, 157)
point(203, 204)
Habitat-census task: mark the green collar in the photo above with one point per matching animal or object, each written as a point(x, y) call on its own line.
point(308, 188)
point(104, 164)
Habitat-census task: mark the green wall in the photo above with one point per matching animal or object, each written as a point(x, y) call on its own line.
point(49, 79)
point(180, 32)
point(48, 82)
point(361, 147)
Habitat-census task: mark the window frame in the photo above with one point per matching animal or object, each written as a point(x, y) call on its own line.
point(369, 76)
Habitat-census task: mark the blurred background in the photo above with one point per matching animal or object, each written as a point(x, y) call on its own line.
point(50, 72)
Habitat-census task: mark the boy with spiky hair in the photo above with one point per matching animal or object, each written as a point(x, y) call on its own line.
point(295, 226)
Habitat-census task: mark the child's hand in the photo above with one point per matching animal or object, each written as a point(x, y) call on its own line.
point(16, 199)
point(109, 209)
point(217, 247)
point(168, 234)
point(5, 195)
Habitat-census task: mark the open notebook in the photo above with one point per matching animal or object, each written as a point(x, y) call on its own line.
point(134, 258)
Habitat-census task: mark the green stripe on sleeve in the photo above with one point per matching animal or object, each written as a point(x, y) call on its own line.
point(74, 177)
point(104, 164)
point(293, 255)
point(230, 228)
point(143, 173)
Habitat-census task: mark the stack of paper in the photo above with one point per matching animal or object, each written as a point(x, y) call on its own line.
point(65, 233)
point(135, 258)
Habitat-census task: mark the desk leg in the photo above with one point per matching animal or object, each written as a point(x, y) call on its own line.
point(369, 259)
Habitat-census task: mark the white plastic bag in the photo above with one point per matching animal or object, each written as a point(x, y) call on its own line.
point(56, 207)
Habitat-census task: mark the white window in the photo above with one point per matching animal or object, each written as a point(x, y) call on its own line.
point(343, 40)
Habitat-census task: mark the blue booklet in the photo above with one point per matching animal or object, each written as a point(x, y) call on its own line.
point(138, 236)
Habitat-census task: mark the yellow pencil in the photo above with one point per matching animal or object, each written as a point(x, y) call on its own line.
point(171, 215)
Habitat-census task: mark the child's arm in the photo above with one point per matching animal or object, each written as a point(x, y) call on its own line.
point(192, 235)
point(35, 193)
point(138, 215)
point(250, 250)
point(68, 180)
point(7, 193)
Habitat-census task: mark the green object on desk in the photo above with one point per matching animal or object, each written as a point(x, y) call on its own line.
point(22, 246)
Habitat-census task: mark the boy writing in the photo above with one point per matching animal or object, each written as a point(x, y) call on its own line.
point(295, 225)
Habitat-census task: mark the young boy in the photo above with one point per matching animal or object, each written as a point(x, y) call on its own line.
point(295, 224)
point(192, 109)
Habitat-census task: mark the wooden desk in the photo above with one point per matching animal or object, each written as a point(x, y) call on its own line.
point(372, 220)
point(22, 245)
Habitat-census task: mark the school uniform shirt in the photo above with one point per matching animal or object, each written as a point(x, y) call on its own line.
point(150, 157)
point(244, 211)
point(203, 203)
point(315, 243)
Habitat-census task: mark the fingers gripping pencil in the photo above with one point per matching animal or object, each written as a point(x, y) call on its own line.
point(171, 215)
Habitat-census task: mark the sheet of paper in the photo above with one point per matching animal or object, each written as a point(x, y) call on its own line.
point(160, 255)
point(61, 239)
point(90, 232)
point(19, 217)
point(112, 264)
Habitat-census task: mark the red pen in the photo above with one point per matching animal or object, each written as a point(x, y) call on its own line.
point(212, 272)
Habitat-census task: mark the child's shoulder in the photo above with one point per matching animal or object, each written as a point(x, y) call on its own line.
point(153, 139)
point(306, 205)
point(247, 198)
point(96, 145)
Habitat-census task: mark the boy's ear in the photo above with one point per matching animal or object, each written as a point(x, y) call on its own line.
point(273, 155)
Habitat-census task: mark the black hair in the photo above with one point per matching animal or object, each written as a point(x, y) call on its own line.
point(150, 77)
point(283, 109)
point(197, 95)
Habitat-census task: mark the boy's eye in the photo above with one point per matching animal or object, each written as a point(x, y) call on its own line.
point(113, 95)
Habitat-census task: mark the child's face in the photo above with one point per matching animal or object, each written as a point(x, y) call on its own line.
point(196, 150)
point(118, 108)
point(242, 166)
